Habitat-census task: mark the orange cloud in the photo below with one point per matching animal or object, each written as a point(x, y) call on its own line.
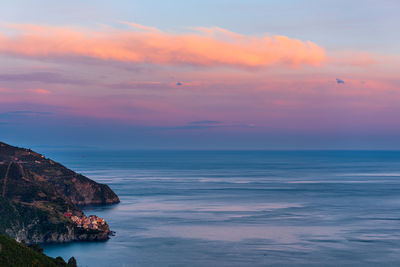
point(40, 91)
point(204, 47)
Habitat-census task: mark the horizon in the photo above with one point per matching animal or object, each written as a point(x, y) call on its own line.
point(46, 148)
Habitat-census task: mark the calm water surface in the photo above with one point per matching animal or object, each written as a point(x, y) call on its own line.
point(243, 208)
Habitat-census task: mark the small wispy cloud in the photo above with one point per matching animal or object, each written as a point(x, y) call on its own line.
point(206, 122)
point(197, 125)
point(40, 91)
point(23, 113)
point(139, 85)
point(191, 127)
point(339, 81)
point(44, 77)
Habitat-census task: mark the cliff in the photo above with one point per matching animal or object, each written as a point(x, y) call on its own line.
point(38, 197)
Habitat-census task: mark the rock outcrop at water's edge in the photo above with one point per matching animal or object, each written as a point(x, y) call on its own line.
point(39, 198)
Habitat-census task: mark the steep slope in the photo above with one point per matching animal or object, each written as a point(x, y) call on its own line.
point(14, 254)
point(78, 188)
point(39, 198)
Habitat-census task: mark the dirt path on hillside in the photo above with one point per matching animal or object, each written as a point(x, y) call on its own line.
point(5, 180)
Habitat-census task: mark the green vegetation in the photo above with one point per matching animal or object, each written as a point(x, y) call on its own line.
point(15, 217)
point(14, 254)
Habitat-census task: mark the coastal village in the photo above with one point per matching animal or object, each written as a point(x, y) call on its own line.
point(92, 222)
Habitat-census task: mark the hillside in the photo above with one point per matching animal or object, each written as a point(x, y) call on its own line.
point(39, 198)
point(78, 188)
point(14, 254)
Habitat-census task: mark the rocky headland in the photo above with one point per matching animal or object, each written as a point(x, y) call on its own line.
point(40, 200)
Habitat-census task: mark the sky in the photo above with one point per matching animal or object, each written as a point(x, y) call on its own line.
point(211, 74)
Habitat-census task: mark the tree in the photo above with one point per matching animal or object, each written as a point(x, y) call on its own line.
point(36, 248)
point(60, 260)
point(72, 262)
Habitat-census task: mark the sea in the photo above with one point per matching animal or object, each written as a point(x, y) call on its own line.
point(242, 208)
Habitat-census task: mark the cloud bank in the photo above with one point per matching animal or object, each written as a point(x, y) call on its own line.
point(141, 44)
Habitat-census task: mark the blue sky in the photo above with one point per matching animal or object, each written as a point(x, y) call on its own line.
point(368, 24)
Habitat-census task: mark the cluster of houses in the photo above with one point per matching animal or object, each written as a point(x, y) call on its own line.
point(91, 222)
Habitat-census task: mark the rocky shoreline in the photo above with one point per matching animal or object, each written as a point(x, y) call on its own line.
point(40, 197)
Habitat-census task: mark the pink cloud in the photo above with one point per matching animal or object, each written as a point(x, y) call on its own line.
point(40, 91)
point(206, 47)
